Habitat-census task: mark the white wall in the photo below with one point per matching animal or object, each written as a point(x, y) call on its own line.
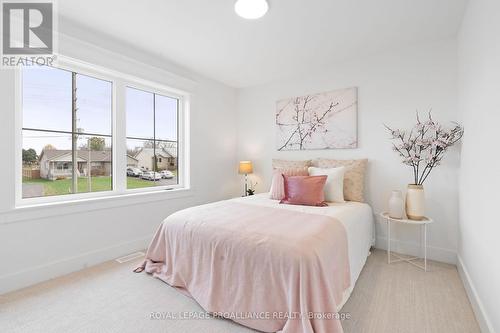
point(391, 87)
point(41, 243)
point(479, 102)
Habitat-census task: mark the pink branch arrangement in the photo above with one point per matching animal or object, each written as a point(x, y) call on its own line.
point(424, 146)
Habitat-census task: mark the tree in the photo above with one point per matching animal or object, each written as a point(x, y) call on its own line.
point(150, 143)
point(97, 143)
point(29, 156)
point(158, 144)
point(49, 147)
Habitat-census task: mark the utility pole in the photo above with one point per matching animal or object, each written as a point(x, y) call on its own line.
point(74, 136)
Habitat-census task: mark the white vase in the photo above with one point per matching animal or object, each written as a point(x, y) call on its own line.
point(415, 202)
point(396, 205)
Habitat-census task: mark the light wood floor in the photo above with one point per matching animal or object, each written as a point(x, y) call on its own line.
point(110, 298)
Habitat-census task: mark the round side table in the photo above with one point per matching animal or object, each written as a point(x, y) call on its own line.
point(423, 240)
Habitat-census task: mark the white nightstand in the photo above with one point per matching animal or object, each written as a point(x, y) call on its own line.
point(423, 242)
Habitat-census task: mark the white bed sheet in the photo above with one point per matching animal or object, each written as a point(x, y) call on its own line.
point(356, 217)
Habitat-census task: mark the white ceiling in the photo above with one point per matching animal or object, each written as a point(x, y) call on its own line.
point(296, 36)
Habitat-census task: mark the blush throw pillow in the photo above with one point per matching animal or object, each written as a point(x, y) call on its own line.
point(277, 191)
point(304, 190)
point(334, 187)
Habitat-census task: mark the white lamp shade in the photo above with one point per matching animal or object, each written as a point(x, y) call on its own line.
point(251, 9)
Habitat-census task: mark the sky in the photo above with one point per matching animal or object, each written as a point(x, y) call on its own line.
point(47, 105)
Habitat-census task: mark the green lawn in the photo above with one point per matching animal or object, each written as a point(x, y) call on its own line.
point(63, 186)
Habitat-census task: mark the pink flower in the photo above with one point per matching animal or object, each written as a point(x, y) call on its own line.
point(420, 127)
point(426, 143)
point(439, 143)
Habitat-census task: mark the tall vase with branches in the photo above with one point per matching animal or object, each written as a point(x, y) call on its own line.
point(422, 148)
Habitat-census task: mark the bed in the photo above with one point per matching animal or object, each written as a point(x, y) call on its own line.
point(268, 266)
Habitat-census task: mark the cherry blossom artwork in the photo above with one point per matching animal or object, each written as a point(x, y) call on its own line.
point(320, 121)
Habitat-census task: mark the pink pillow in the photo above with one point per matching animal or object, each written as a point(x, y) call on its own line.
point(305, 190)
point(277, 191)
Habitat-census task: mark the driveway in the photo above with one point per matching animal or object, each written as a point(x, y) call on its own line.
point(172, 181)
point(32, 190)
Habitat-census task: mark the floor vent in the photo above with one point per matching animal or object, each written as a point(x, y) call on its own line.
point(130, 257)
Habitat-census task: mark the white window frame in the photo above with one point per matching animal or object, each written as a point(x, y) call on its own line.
point(119, 82)
point(180, 135)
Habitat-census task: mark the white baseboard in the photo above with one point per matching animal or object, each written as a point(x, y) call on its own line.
point(413, 248)
point(31, 276)
point(477, 305)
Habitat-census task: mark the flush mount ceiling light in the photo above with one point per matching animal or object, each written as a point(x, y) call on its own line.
point(251, 9)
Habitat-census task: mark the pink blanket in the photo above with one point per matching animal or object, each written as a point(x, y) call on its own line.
point(270, 269)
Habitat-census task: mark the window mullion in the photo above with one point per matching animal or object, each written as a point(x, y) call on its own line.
point(74, 135)
point(119, 137)
point(155, 161)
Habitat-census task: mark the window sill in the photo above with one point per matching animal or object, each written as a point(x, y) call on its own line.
point(44, 210)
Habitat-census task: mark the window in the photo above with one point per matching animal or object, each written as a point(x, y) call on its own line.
point(71, 132)
point(66, 133)
point(152, 139)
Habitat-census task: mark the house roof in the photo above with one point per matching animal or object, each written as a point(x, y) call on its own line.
point(172, 151)
point(95, 155)
point(163, 152)
point(132, 157)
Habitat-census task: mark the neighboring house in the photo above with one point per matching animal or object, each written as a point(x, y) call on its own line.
point(56, 163)
point(166, 158)
point(132, 162)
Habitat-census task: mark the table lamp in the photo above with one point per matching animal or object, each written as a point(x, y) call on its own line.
point(244, 169)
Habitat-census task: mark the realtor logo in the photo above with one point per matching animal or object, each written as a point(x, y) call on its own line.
point(28, 33)
point(27, 28)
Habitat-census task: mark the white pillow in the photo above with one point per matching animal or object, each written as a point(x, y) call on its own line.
point(334, 187)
